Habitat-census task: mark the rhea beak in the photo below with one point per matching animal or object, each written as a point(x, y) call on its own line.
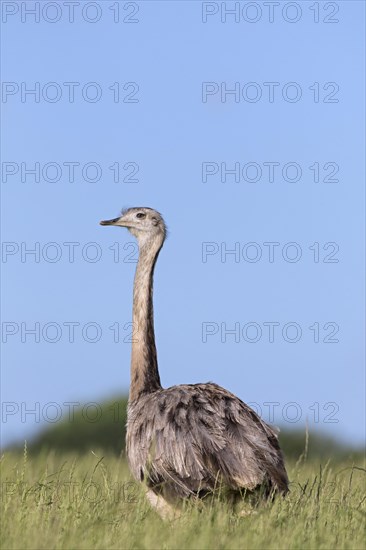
point(115, 221)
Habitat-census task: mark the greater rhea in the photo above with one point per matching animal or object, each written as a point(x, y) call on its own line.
point(190, 440)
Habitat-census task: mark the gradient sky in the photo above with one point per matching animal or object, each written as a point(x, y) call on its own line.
point(168, 133)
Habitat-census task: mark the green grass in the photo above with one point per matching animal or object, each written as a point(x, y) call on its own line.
point(70, 501)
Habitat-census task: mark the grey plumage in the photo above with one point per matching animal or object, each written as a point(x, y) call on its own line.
point(187, 440)
point(190, 438)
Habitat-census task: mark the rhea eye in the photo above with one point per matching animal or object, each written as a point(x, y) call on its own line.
point(140, 215)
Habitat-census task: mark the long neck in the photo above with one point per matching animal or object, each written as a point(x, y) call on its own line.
point(144, 364)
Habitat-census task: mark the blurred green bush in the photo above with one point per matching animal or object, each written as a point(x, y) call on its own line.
point(103, 426)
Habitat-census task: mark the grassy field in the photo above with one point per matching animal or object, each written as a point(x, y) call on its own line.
point(89, 501)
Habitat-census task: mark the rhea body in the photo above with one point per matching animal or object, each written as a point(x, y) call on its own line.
point(186, 441)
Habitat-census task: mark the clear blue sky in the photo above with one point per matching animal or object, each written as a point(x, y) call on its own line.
point(169, 132)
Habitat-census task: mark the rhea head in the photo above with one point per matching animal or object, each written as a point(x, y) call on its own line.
point(144, 223)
